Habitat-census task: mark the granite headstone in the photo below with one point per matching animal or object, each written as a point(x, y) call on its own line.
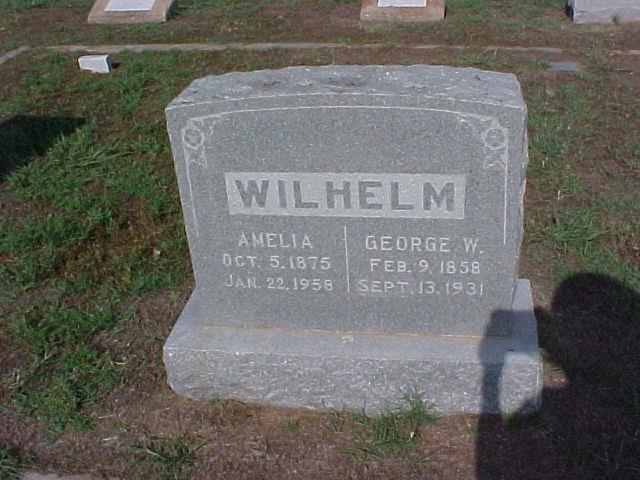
point(130, 11)
point(354, 233)
point(604, 11)
point(401, 11)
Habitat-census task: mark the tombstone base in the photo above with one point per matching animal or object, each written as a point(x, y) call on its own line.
point(158, 13)
point(357, 370)
point(433, 11)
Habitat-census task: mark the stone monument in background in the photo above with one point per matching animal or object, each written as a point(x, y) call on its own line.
point(604, 11)
point(130, 11)
point(402, 11)
point(355, 234)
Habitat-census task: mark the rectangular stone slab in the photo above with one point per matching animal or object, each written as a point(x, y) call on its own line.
point(402, 11)
point(129, 5)
point(95, 63)
point(130, 11)
point(354, 198)
point(402, 3)
point(357, 371)
point(604, 11)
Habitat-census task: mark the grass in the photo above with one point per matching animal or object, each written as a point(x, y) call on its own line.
point(12, 464)
point(65, 373)
point(97, 226)
point(394, 432)
point(167, 458)
point(15, 6)
point(291, 425)
point(83, 192)
point(585, 220)
point(516, 422)
point(511, 23)
point(572, 230)
point(488, 61)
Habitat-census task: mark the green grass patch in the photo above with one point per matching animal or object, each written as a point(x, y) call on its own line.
point(394, 432)
point(15, 6)
point(291, 425)
point(571, 230)
point(167, 458)
point(102, 224)
point(65, 372)
point(12, 463)
point(485, 60)
point(589, 200)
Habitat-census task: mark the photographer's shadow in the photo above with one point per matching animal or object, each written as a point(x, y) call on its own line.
point(589, 423)
point(24, 137)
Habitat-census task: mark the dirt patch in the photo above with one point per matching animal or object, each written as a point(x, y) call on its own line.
point(10, 209)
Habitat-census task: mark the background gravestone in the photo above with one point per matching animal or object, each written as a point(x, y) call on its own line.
point(354, 233)
point(402, 10)
point(130, 11)
point(604, 11)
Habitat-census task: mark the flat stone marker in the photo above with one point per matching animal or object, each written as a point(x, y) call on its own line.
point(354, 233)
point(401, 11)
point(604, 11)
point(95, 63)
point(130, 11)
point(571, 67)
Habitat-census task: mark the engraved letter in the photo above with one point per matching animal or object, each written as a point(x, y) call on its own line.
point(252, 192)
point(445, 196)
point(470, 244)
point(364, 194)
point(282, 194)
point(345, 193)
point(395, 201)
point(297, 195)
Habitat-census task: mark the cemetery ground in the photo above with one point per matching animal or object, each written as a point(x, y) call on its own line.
point(94, 266)
point(468, 22)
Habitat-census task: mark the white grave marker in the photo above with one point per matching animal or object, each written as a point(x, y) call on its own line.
point(129, 5)
point(402, 11)
point(130, 11)
point(95, 63)
point(402, 3)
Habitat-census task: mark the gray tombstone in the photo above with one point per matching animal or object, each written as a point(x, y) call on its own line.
point(355, 233)
point(604, 11)
point(130, 11)
point(402, 11)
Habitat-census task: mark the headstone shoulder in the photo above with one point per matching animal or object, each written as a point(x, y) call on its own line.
point(440, 82)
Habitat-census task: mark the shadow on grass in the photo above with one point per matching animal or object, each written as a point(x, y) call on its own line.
point(24, 137)
point(589, 423)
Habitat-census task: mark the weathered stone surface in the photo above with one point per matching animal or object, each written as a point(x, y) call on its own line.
point(571, 67)
point(401, 3)
point(373, 213)
point(32, 475)
point(357, 370)
point(402, 10)
point(95, 63)
point(452, 140)
point(604, 11)
point(130, 11)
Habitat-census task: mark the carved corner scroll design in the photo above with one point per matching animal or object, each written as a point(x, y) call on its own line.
point(495, 140)
point(193, 137)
